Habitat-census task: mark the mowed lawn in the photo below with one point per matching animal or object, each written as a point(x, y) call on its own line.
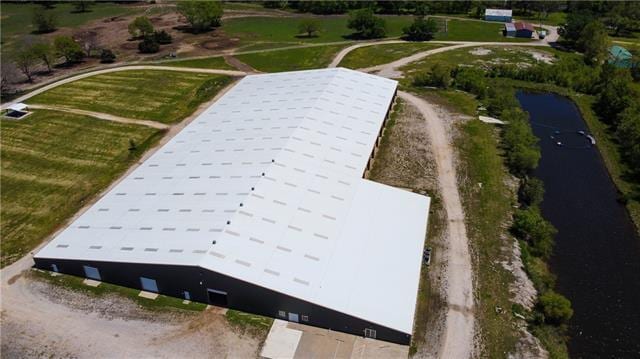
point(52, 164)
point(292, 59)
point(279, 29)
point(163, 96)
point(383, 54)
point(216, 62)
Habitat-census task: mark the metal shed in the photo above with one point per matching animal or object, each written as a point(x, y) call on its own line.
point(500, 15)
point(524, 29)
point(620, 57)
point(509, 30)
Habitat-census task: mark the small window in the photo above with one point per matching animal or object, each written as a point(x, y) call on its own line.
point(305, 318)
point(187, 295)
point(282, 314)
point(54, 268)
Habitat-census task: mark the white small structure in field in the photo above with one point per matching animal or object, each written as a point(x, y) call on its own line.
point(17, 111)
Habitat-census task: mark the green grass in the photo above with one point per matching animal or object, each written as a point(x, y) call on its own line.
point(163, 96)
point(279, 29)
point(382, 54)
point(161, 303)
point(293, 59)
point(487, 208)
point(466, 30)
point(553, 18)
point(216, 62)
point(52, 164)
point(16, 18)
point(255, 324)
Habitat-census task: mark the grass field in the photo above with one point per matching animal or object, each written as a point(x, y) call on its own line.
point(16, 18)
point(293, 59)
point(163, 96)
point(553, 18)
point(383, 54)
point(272, 29)
point(467, 30)
point(52, 164)
point(217, 62)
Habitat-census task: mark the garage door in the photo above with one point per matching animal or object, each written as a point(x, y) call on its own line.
point(92, 272)
point(149, 284)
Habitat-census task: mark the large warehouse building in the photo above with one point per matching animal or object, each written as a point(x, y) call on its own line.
point(260, 205)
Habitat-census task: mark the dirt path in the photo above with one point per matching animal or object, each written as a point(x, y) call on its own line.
point(101, 116)
point(116, 69)
point(458, 334)
point(233, 61)
point(344, 52)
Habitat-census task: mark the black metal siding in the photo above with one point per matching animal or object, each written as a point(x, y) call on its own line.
point(173, 280)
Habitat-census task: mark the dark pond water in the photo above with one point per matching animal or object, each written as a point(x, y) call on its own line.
point(597, 253)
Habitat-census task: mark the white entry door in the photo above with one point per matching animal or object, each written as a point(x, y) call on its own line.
point(293, 317)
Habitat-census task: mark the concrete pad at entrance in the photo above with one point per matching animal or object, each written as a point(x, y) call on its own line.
point(91, 282)
point(299, 341)
point(281, 342)
point(148, 295)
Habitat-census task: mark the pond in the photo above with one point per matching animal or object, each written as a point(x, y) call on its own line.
point(597, 252)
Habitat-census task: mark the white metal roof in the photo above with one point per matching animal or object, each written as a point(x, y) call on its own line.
point(272, 172)
point(18, 106)
point(498, 12)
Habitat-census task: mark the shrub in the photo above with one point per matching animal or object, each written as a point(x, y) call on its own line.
point(43, 20)
point(148, 45)
point(531, 192)
point(162, 37)
point(555, 307)
point(421, 29)
point(471, 80)
point(529, 226)
point(107, 56)
point(366, 25)
point(439, 76)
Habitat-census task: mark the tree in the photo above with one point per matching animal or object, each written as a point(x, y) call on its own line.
point(162, 37)
point(366, 25)
point(309, 27)
point(595, 43)
point(141, 26)
point(44, 52)
point(275, 4)
point(107, 56)
point(615, 94)
point(531, 192)
point(65, 46)
point(82, 5)
point(43, 20)
point(521, 144)
point(472, 80)
point(439, 76)
point(628, 133)
point(555, 307)
point(528, 225)
point(576, 21)
point(148, 45)
point(26, 59)
point(201, 15)
point(421, 29)
point(89, 41)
